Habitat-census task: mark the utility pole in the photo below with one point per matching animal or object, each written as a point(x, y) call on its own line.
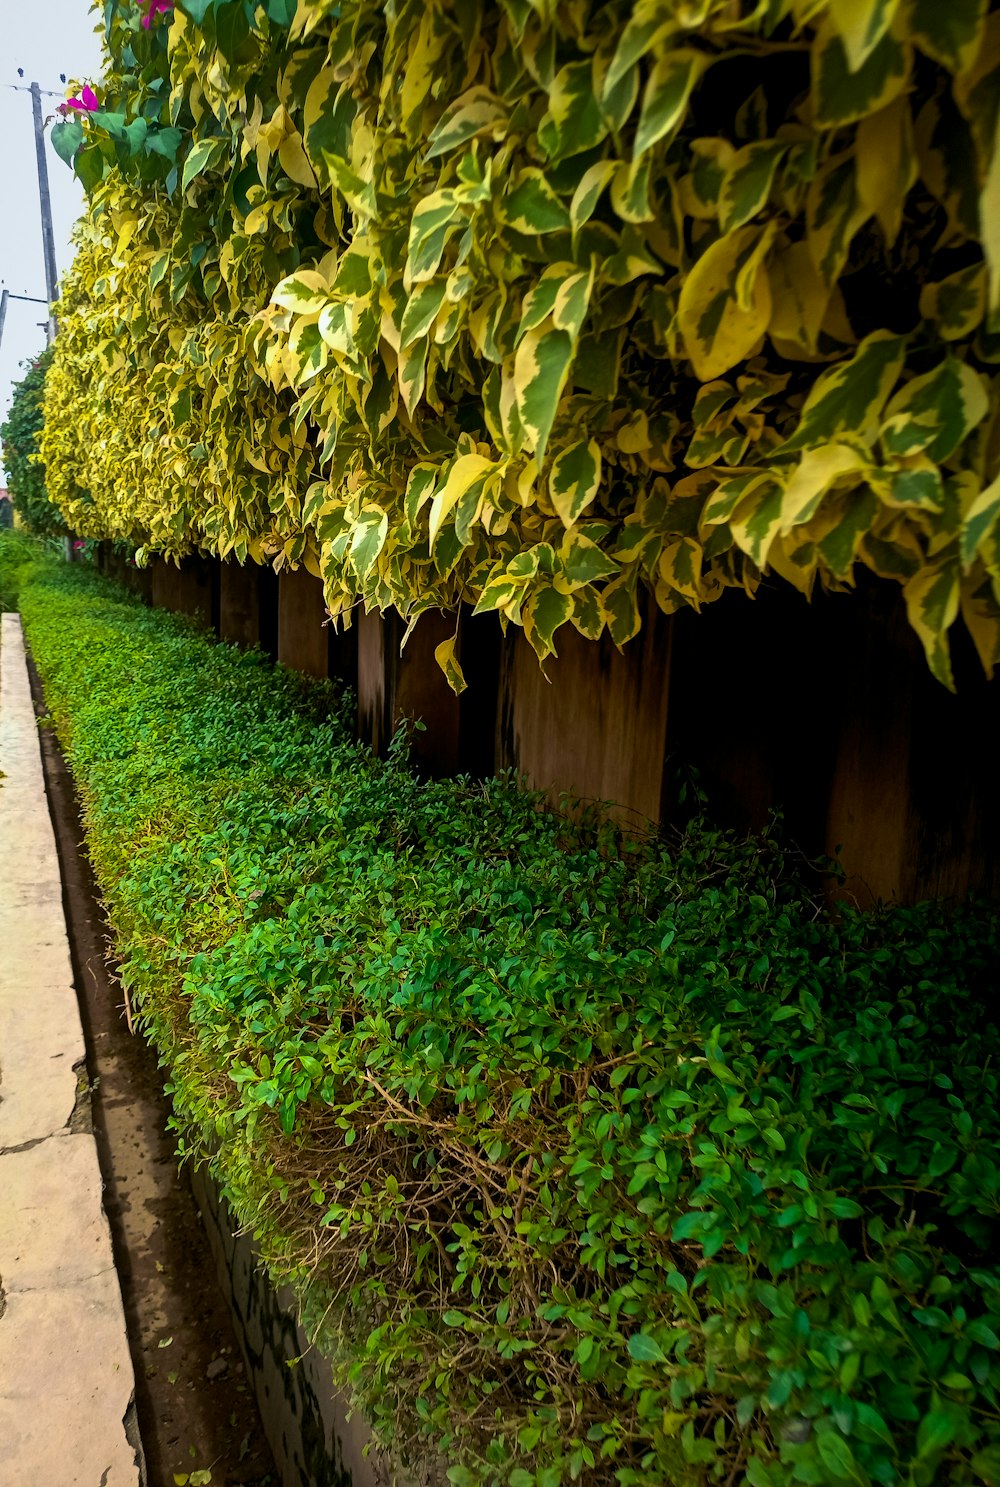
point(30, 299)
point(48, 239)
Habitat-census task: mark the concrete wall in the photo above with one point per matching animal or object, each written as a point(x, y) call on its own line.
point(305, 1419)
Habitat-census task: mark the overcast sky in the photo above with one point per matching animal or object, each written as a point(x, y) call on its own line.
point(45, 38)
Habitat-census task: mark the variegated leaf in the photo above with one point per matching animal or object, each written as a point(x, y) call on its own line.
point(368, 536)
point(574, 479)
point(541, 369)
point(935, 413)
point(849, 398)
point(932, 600)
point(746, 184)
point(718, 331)
point(886, 164)
point(446, 656)
point(842, 94)
point(666, 96)
point(861, 25)
point(544, 612)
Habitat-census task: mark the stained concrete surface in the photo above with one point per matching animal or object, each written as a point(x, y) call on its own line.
point(66, 1380)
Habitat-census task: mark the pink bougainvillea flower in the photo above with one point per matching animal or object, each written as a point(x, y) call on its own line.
point(154, 8)
point(87, 102)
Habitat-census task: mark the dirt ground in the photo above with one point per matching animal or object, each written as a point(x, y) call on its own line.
point(196, 1411)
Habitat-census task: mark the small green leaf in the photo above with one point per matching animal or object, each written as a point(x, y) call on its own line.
point(645, 1349)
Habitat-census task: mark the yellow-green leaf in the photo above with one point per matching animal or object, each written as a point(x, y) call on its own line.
point(718, 331)
point(950, 31)
point(981, 529)
point(367, 539)
point(957, 303)
point(305, 291)
point(840, 94)
point(935, 413)
point(583, 562)
point(886, 164)
point(932, 600)
point(446, 657)
point(747, 182)
point(574, 479)
point(545, 611)
point(818, 471)
point(849, 398)
point(862, 24)
point(531, 206)
point(666, 96)
point(541, 369)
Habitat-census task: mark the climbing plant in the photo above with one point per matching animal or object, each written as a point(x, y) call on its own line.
point(548, 306)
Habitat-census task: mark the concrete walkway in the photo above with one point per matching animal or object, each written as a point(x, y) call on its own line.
point(67, 1416)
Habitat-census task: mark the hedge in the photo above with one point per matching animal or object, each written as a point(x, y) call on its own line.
point(589, 1161)
point(25, 472)
point(546, 306)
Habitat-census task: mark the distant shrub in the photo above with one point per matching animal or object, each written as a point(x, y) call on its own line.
point(25, 472)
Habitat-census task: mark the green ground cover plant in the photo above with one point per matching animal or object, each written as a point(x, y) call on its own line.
point(597, 1161)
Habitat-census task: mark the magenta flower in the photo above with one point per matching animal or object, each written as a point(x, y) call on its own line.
point(154, 8)
point(86, 103)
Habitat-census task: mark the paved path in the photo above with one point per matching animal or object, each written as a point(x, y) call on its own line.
point(66, 1383)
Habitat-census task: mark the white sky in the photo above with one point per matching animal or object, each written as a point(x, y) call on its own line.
point(45, 38)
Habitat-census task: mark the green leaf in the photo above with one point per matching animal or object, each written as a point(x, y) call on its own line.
point(461, 1476)
point(932, 598)
point(158, 269)
point(583, 561)
point(196, 9)
point(837, 1456)
point(871, 1426)
point(307, 292)
point(67, 137)
point(935, 1432)
point(834, 213)
point(645, 1349)
point(957, 303)
point(421, 311)
point(433, 222)
point(135, 135)
point(648, 24)
point(165, 141)
point(474, 112)
point(982, 519)
point(281, 12)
